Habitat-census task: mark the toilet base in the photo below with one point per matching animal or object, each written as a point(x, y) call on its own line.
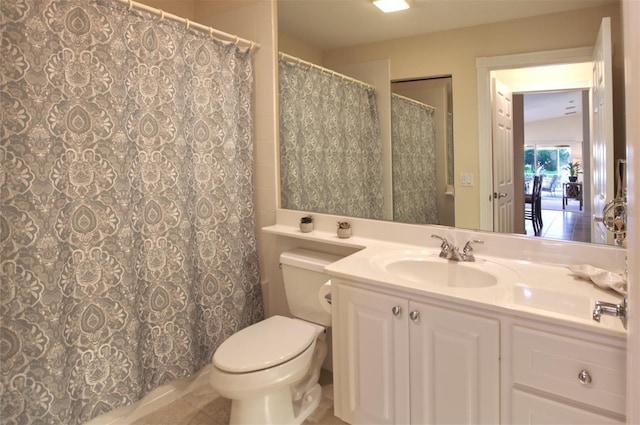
point(308, 404)
point(275, 408)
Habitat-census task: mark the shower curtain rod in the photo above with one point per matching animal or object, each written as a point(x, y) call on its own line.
point(190, 24)
point(294, 59)
point(414, 101)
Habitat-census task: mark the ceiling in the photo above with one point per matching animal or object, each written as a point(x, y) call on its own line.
point(333, 24)
point(549, 105)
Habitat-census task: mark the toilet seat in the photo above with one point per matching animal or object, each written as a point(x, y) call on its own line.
point(265, 344)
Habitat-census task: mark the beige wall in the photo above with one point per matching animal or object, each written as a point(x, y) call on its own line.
point(556, 130)
point(455, 52)
point(631, 16)
point(548, 77)
point(184, 9)
point(299, 49)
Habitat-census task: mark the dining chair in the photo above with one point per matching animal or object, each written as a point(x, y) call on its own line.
point(533, 205)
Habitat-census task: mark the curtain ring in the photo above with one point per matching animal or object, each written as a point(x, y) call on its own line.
point(252, 45)
point(211, 31)
point(130, 4)
point(188, 23)
point(236, 40)
point(161, 15)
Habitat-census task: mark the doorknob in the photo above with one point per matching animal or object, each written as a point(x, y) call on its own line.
point(497, 195)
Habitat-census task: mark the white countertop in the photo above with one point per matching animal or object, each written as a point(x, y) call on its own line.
point(543, 292)
point(534, 290)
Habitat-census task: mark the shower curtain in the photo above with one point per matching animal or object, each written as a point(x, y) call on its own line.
point(330, 144)
point(413, 161)
point(126, 226)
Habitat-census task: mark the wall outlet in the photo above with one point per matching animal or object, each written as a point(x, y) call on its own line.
point(466, 179)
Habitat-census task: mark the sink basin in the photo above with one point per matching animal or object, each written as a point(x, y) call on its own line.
point(428, 268)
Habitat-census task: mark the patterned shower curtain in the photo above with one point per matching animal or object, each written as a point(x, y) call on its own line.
point(413, 161)
point(330, 145)
point(126, 226)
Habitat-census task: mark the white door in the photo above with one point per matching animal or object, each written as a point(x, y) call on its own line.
point(502, 126)
point(455, 366)
point(372, 362)
point(602, 159)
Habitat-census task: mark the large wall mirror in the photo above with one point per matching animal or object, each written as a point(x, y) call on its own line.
point(432, 40)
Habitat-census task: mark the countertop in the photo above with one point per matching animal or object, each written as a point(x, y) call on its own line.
point(545, 292)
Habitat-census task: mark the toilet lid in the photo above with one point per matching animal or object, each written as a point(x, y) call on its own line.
point(265, 344)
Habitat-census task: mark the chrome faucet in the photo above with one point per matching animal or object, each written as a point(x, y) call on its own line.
point(619, 310)
point(451, 252)
point(448, 251)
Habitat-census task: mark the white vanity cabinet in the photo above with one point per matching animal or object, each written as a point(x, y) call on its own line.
point(399, 360)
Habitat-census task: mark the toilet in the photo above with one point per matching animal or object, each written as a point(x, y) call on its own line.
point(270, 369)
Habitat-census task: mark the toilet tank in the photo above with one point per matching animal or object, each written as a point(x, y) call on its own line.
point(303, 274)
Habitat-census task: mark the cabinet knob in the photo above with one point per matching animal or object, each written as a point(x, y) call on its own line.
point(414, 315)
point(396, 310)
point(584, 377)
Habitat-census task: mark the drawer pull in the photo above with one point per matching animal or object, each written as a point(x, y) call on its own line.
point(584, 377)
point(396, 310)
point(414, 315)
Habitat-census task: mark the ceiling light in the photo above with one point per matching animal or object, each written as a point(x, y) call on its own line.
point(388, 6)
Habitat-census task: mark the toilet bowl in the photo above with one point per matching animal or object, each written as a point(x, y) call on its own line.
point(270, 369)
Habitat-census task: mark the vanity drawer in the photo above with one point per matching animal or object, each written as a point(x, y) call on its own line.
point(533, 410)
point(554, 363)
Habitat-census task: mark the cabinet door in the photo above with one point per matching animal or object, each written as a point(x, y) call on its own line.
point(371, 357)
point(455, 367)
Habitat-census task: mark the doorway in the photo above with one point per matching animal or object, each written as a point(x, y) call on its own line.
point(527, 72)
point(548, 104)
point(555, 127)
point(601, 116)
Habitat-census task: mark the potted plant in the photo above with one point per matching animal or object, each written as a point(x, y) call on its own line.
point(344, 229)
point(574, 168)
point(306, 224)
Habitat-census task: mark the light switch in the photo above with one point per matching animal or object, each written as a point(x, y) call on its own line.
point(466, 179)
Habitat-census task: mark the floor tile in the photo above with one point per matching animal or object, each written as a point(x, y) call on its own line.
point(203, 406)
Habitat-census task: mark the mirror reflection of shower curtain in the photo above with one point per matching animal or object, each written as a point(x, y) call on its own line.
point(330, 144)
point(413, 161)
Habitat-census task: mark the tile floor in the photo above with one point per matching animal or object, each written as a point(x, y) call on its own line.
point(203, 406)
point(570, 224)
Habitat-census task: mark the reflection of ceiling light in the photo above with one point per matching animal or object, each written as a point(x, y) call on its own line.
point(391, 5)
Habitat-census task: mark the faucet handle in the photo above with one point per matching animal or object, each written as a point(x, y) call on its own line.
point(445, 242)
point(468, 246)
point(467, 251)
point(445, 246)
